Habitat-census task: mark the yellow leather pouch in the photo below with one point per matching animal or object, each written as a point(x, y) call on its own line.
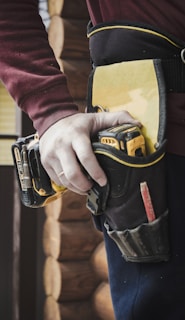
point(135, 86)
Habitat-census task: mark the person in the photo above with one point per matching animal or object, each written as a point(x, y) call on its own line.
point(31, 74)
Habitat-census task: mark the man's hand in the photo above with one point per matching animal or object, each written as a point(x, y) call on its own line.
point(66, 147)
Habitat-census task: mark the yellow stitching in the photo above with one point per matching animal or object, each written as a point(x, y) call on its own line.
point(134, 28)
point(134, 165)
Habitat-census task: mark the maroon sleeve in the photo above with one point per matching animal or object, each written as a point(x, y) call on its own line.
point(28, 67)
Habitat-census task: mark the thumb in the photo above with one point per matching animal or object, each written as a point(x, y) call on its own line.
point(110, 119)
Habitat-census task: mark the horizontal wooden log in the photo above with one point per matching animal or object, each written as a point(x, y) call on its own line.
point(70, 240)
point(77, 72)
point(68, 38)
point(69, 281)
point(70, 206)
point(69, 9)
point(55, 7)
point(78, 240)
point(82, 310)
point(56, 35)
point(99, 262)
point(51, 309)
point(78, 281)
point(59, 61)
point(53, 209)
point(74, 207)
point(82, 105)
point(103, 303)
point(76, 44)
point(52, 278)
point(51, 238)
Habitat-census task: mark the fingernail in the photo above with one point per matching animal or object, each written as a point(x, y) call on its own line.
point(102, 182)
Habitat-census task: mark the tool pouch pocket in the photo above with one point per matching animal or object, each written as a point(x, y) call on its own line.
point(140, 238)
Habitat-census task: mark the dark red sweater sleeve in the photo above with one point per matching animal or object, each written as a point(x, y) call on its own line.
point(28, 67)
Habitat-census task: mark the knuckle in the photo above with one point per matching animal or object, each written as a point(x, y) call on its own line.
point(71, 176)
point(79, 180)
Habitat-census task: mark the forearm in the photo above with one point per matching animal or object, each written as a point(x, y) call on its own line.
point(28, 67)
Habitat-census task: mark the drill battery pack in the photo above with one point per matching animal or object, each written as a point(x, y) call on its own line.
point(36, 188)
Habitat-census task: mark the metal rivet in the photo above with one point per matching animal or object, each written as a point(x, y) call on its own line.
point(183, 55)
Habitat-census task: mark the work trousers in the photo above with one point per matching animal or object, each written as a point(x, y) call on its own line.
point(154, 291)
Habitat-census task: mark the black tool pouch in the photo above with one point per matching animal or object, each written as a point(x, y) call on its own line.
point(136, 81)
point(139, 237)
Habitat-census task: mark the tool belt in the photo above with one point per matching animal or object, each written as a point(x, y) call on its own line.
point(134, 67)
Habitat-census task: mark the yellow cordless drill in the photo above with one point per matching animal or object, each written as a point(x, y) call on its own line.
point(37, 189)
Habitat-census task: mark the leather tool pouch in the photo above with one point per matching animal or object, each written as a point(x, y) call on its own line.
point(140, 238)
point(134, 82)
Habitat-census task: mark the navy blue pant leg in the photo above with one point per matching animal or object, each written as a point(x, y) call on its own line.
point(154, 291)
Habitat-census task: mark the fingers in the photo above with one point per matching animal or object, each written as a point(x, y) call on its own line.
point(74, 175)
point(80, 167)
point(65, 182)
point(88, 160)
point(67, 171)
point(110, 119)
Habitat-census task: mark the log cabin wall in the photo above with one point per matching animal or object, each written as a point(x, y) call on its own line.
point(75, 270)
